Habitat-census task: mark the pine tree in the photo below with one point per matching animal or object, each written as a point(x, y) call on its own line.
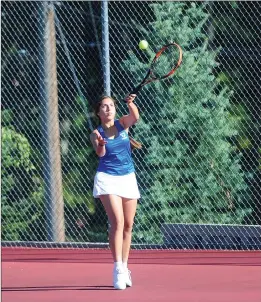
point(191, 171)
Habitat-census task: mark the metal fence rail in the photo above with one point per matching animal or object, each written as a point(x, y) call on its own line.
point(199, 170)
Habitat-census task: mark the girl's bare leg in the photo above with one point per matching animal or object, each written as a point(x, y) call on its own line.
point(114, 210)
point(129, 209)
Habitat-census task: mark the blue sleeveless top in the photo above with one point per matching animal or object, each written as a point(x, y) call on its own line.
point(117, 159)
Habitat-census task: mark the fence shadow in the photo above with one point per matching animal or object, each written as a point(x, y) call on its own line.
point(54, 288)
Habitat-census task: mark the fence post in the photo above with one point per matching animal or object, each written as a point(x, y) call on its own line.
point(106, 54)
point(105, 48)
point(51, 133)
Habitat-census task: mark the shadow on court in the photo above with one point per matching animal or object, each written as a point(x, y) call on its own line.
point(51, 288)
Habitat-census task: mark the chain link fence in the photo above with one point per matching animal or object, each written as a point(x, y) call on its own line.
point(200, 165)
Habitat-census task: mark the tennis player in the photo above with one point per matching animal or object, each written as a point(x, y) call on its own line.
point(115, 181)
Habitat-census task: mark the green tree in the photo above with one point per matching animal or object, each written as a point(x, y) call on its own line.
point(22, 195)
point(22, 100)
point(232, 26)
point(192, 172)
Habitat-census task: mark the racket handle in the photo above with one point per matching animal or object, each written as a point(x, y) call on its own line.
point(136, 90)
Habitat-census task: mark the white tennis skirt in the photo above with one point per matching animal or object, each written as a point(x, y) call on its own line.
point(125, 186)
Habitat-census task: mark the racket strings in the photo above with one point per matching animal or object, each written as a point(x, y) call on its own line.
point(166, 62)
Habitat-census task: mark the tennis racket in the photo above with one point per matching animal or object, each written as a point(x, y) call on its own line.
point(166, 61)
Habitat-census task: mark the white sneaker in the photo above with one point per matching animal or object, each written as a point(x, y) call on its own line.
point(119, 281)
point(128, 278)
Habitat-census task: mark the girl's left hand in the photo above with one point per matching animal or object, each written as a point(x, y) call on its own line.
point(130, 98)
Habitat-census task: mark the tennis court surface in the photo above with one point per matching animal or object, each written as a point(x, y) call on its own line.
point(61, 275)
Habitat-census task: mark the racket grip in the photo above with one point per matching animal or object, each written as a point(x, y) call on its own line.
point(134, 91)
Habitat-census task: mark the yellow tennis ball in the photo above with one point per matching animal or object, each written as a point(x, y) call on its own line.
point(143, 44)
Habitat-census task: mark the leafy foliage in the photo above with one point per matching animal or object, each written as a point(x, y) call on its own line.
point(21, 190)
point(192, 172)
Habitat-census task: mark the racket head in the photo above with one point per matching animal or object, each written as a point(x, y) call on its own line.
point(166, 61)
point(164, 64)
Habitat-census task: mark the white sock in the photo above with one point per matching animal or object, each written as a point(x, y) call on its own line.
point(124, 265)
point(118, 265)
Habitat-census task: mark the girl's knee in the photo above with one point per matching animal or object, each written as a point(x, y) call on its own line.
point(117, 224)
point(128, 226)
